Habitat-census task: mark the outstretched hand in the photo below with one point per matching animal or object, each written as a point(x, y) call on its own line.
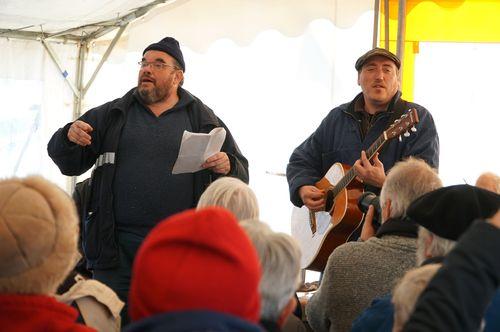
point(79, 133)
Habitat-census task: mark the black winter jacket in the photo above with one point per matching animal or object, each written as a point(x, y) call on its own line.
point(457, 297)
point(107, 120)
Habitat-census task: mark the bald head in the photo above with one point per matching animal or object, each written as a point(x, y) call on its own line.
point(489, 181)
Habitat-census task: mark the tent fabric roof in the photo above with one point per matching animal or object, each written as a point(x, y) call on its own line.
point(73, 19)
point(196, 22)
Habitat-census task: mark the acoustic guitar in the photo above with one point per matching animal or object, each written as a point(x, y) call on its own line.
point(319, 233)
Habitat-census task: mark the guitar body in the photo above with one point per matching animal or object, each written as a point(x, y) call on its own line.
point(320, 233)
point(320, 237)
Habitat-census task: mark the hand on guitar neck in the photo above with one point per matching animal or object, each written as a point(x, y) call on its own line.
point(312, 197)
point(371, 173)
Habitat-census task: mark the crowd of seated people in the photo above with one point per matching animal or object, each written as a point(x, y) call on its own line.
point(434, 264)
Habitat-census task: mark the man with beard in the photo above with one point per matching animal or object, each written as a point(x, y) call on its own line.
point(134, 142)
point(349, 130)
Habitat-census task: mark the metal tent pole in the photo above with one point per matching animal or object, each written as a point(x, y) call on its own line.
point(376, 11)
point(386, 24)
point(401, 33)
point(104, 58)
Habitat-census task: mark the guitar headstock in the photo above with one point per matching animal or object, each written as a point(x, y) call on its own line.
point(403, 125)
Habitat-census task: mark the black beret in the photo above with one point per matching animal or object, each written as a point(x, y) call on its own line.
point(170, 46)
point(449, 211)
point(374, 52)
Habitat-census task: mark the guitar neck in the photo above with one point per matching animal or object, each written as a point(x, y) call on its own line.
point(351, 174)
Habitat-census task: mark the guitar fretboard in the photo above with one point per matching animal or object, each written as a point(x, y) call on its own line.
point(351, 174)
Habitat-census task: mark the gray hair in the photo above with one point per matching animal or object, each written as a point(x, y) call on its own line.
point(405, 182)
point(279, 257)
point(232, 194)
point(407, 292)
point(434, 245)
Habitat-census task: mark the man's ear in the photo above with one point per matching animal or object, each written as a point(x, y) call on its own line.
point(179, 76)
point(359, 74)
point(386, 210)
point(427, 244)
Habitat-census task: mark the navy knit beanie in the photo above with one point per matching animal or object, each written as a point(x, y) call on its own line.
point(170, 46)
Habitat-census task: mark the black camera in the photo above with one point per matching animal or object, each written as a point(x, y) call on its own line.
point(365, 200)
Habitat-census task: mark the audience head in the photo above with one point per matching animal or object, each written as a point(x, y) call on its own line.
point(448, 212)
point(489, 181)
point(407, 292)
point(445, 214)
point(406, 181)
point(196, 260)
point(38, 236)
point(280, 261)
point(232, 194)
point(430, 245)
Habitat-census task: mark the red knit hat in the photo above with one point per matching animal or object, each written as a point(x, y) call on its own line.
point(196, 260)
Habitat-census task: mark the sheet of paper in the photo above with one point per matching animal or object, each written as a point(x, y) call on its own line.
point(196, 148)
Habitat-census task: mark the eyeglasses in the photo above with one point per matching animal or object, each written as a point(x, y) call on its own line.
point(155, 65)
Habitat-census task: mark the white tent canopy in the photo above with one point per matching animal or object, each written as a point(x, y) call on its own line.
point(73, 20)
point(196, 22)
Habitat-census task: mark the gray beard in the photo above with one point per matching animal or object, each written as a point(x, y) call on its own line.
point(152, 96)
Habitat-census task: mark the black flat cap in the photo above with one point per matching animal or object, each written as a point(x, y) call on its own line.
point(449, 211)
point(377, 51)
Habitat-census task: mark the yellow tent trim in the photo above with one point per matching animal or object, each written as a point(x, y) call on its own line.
point(439, 21)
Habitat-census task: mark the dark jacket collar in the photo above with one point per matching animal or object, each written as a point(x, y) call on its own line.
point(390, 107)
point(399, 227)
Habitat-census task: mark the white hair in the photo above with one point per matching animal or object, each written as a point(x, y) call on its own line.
point(232, 194)
point(405, 182)
point(280, 257)
point(407, 292)
point(431, 245)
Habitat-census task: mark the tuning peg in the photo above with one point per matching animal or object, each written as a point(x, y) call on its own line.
point(413, 129)
point(400, 139)
point(397, 121)
point(406, 134)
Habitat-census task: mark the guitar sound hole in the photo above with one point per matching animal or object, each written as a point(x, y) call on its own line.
point(329, 200)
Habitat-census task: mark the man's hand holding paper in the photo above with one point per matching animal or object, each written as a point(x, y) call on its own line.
point(202, 151)
point(218, 163)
